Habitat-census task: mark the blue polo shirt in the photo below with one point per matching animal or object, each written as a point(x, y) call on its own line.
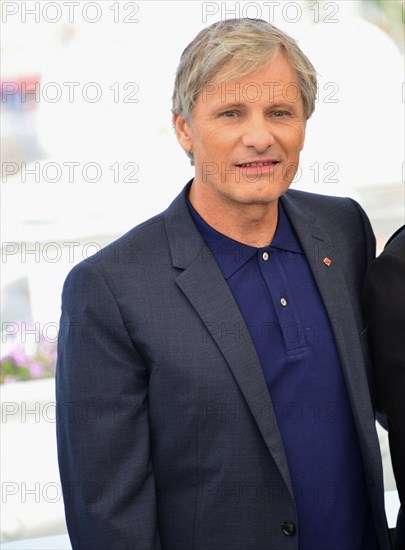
point(284, 313)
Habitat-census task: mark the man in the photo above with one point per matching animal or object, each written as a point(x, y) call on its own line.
point(384, 300)
point(219, 346)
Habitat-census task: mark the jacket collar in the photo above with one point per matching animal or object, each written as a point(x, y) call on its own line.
point(186, 241)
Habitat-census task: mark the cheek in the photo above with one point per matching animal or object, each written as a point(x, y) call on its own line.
point(300, 137)
point(302, 140)
point(295, 141)
point(210, 144)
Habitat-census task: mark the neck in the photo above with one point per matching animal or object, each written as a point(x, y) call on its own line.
point(253, 224)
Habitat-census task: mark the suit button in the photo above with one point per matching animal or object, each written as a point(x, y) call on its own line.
point(288, 528)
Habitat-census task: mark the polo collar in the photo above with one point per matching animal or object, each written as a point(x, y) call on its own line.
point(231, 255)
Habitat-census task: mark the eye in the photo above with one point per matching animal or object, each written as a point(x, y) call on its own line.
point(280, 114)
point(229, 114)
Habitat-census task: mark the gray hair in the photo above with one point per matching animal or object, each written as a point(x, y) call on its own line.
point(239, 47)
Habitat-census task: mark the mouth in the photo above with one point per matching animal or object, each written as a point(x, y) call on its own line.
point(257, 164)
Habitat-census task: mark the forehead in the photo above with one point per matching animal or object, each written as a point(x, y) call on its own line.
point(278, 79)
point(279, 65)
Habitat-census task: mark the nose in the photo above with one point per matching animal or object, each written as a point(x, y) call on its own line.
point(257, 133)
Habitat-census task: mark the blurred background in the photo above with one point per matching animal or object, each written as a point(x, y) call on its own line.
point(88, 151)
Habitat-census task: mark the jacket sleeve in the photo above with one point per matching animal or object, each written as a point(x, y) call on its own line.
point(385, 309)
point(369, 237)
point(102, 422)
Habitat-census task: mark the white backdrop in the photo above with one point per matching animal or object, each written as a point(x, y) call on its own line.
point(110, 158)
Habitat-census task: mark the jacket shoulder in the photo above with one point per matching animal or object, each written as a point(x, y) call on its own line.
point(342, 213)
point(130, 251)
point(321, 204)
point(396, 243)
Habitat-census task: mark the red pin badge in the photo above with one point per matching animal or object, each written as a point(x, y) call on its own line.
point(327, 261)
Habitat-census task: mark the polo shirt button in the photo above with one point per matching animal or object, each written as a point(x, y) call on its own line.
point(288, 528)
point(265, 256)
point(283, 302)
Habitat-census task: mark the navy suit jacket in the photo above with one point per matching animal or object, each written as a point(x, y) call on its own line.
point(167, 437)
point(384, 301)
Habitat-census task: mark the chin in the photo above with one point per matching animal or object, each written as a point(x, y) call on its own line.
point(254, 198)
point(266, 195)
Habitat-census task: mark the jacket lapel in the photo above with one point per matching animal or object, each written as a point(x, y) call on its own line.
point(203, 284)
point(319, 248)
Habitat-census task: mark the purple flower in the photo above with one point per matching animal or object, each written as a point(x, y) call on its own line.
point(36, 369)
point(19, 356)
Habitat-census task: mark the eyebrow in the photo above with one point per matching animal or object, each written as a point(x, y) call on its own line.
point(239, 105)
point(228, 106)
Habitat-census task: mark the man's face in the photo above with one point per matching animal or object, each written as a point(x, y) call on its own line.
point(246, 135)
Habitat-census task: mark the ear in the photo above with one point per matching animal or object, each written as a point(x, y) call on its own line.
point(183, 132)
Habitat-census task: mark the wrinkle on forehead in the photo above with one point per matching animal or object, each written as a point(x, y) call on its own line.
point(275, 82)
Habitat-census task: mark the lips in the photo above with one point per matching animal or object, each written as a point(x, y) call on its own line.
point(257, 163)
